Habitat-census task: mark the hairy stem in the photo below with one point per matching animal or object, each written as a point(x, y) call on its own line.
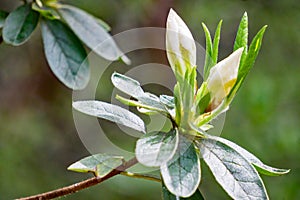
point(83, 184)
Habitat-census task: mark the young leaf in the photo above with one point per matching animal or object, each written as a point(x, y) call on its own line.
point(209, 52)
point(88, 29)
point(110, 112)
point(259, 165)
point(167, 195)
point(252, 54)
point(65, 54)
point(202, 99)
point(3, 16)
point(232, 171)
point(178, 104)
point(99, 164)
point(156, 148)
point(182, 174)
point(167, 100)
point(215, 47)
point(127, 85)
point(241, 39)
point(19, 25)
point(133, 88)
point(145, 107)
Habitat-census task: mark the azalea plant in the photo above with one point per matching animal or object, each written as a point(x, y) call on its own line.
point(191, 110)
point(179, 152)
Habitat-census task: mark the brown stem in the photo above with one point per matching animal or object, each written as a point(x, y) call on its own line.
point(81, 185)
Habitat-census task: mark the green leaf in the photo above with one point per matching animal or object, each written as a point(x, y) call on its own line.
point(241, 39)
point(139, 104)
point(202, 98)
point(178, 104)
point(259, 165)
point(167, 100)
point(3, 16)
point(209, 52)
point(99, 164)
point(232, 171)
point(252, 54)
point(88, 29)
point(215, 47)
point(156, 148)
point(111, 112)
point(65, 54)
point(167, 195)
point(127, 85)
point(103, 24)
point(19, 25)
point(182, 174)
point(132, 87)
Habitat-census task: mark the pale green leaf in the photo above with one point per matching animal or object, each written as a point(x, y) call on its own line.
point(167, 100)
point(99, 164)
point(259, 165)
point(88, 29)
point(139, 104)
point(110, 112)
point(231, 170)
point(133, 88)
point(19, 25)
point(65, 54)
point(127, 85)
point(156, 148)
point(104, 25)
point(182, 174)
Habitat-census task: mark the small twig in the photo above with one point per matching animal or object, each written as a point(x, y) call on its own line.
point(81, 185)
point(143, 176)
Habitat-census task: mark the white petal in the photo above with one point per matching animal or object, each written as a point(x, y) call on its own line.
point(180, 44)
point(223, 75)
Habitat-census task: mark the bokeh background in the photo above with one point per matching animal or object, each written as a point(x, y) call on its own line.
point(38, 139)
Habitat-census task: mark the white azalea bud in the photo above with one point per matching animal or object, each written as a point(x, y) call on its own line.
point(222, 77)
point(180, 44)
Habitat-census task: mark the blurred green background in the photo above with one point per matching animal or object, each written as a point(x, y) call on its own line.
point(38, 139)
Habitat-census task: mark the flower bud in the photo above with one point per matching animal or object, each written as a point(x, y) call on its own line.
point(222, 78)
point(180, 44)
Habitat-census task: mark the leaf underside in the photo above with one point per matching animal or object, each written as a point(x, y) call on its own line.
point(157, 148)
point(99, 164)
point(91, 32)
point(232, 171)
point(111, 112)
point(182, 174)
point(259, 165)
